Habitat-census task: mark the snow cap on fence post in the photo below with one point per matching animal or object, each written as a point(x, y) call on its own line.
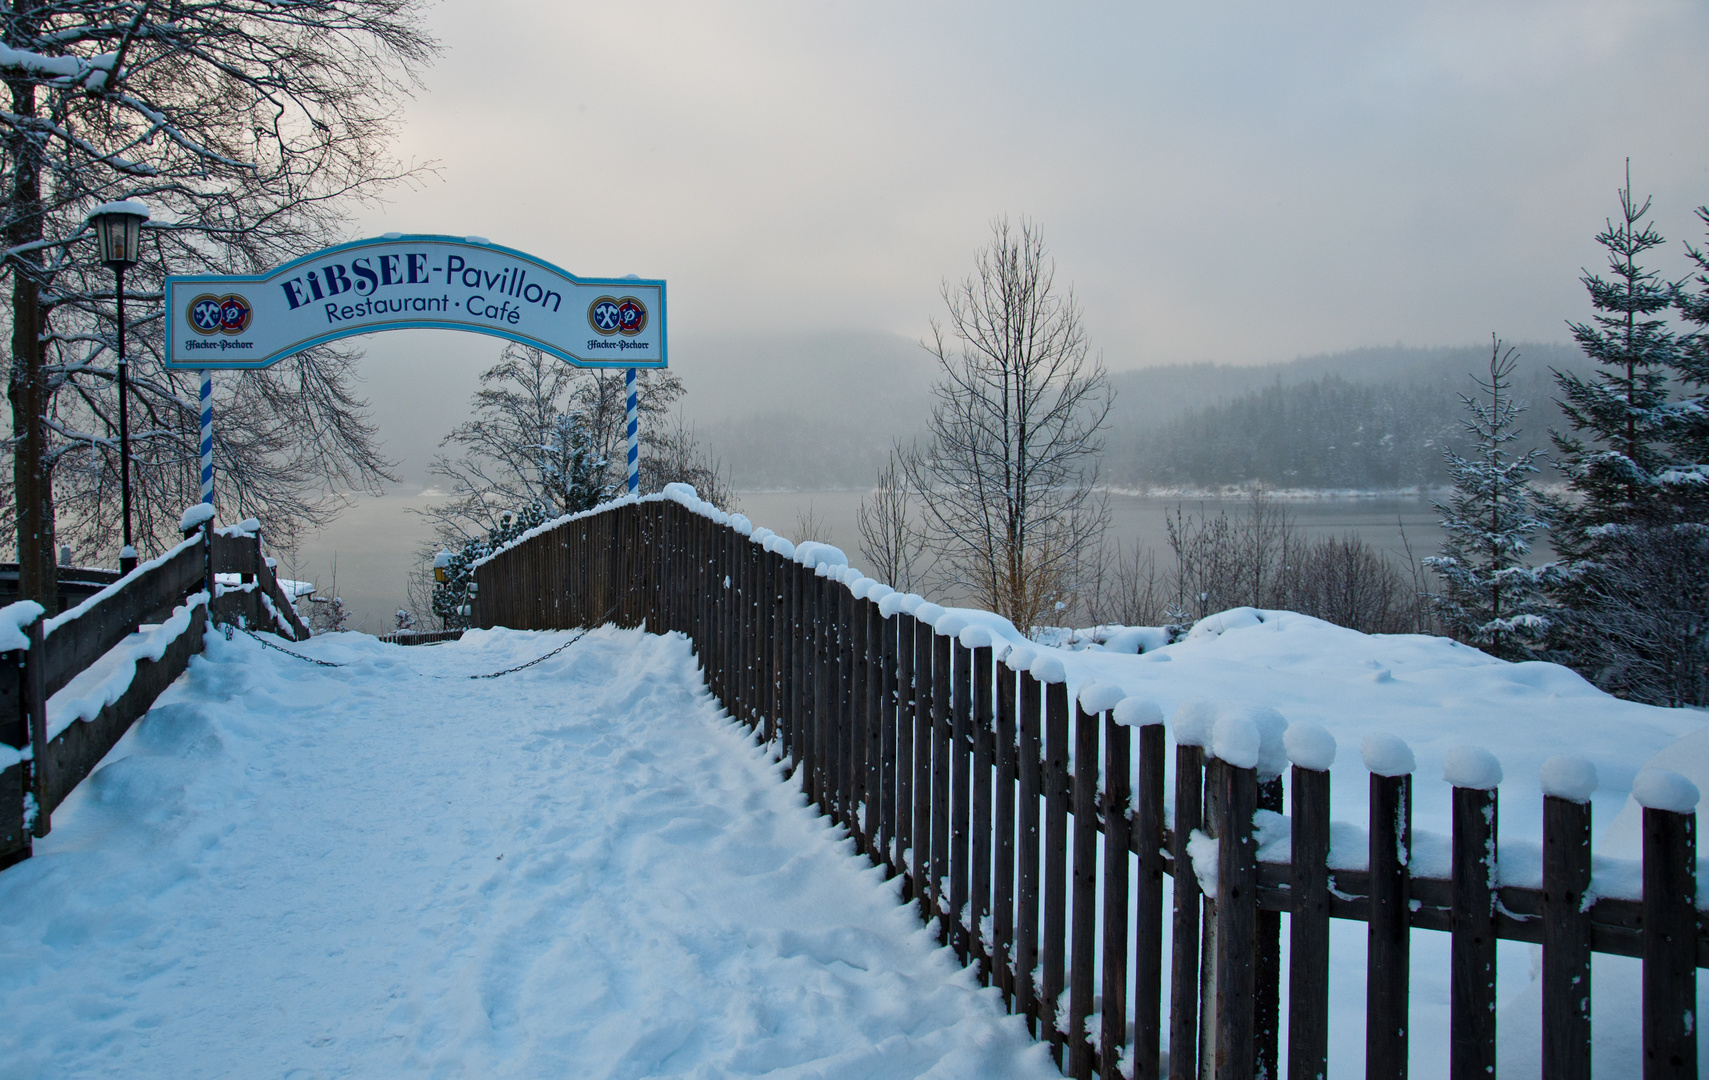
point(975, 637)
point(879, 592)
point(1096, 697)
point(1137, 712)
point(859, 587)
point(1309, 746)
point(1387, 755)
point(1569, 777)
point(1021, 658)
point(1664, 789)
point(1048, 669)
point(1235, 738)
point(1193, 721)
point(1471, 767)
point(950, 623)
point(194, 516)
point(1272, 728)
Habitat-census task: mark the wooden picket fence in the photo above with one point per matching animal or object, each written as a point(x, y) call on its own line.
point(954, 772)
point(63, 646)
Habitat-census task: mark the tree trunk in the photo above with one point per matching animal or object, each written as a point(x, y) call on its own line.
point(27, 388)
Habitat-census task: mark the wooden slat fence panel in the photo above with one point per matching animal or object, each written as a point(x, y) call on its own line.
point(955, 772)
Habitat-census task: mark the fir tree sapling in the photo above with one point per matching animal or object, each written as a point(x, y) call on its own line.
point(1491, 597)
point(1633, 591)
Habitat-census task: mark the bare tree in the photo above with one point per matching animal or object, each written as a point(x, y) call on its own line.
point(548, 435)
point(672, 454)
point(889, 537)
point(1007, 476)
point(244, 125)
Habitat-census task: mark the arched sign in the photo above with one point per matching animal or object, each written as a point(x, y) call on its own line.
point(401, 282)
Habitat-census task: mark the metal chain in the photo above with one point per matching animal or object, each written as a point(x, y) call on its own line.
point(489, 675)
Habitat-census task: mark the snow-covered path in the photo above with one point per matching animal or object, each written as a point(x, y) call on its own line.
point(578, 870)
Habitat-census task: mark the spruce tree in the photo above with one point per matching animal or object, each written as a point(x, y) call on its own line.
point(1491, 597)
point(1634, 552)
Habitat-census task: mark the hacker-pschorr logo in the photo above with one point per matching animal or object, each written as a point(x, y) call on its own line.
point(228, 314)
point(623, 315)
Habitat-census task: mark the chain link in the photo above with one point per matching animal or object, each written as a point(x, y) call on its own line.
point(488, 675)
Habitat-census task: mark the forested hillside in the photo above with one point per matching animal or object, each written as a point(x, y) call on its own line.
point(1371, 418)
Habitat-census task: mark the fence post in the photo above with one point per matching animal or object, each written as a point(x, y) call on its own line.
point(925, 736)
point(983, 754)
point(1148, 933)
point(1027, 872)
point(906, 703)
point(1184, 977)
point(1055, 945)
point(941, 744)
point(1471, 991)
point(877, 813)
point(1670, 923)
point(1308, 942)
point(1003, 888)
point(961, 763)
point(1388, 953)
point(893, 752)
point(1235, 973)
point(1118, 758)
point(1084, 901)
point(32, 692)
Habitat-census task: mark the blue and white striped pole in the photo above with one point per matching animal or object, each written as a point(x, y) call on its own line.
point(634, 435)
point(208, 436)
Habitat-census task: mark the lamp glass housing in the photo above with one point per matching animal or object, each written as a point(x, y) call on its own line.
point(120, 235)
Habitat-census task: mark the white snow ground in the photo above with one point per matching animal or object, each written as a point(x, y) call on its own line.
point(578, 870)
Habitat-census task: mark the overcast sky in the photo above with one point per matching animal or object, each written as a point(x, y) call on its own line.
point(1221, 182)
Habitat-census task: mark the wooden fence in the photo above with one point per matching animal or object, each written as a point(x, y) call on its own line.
point(61, 647)
point(985, 789)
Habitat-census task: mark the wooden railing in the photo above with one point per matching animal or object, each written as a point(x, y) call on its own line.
point(41, 765)
point(953, 771)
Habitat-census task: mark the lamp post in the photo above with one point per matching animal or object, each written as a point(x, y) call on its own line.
point(118, 227)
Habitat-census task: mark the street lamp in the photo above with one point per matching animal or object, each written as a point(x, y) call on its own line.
point(118, 226)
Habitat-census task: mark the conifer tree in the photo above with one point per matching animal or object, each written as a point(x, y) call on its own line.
point(1634, 550)
point(1492, 596)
